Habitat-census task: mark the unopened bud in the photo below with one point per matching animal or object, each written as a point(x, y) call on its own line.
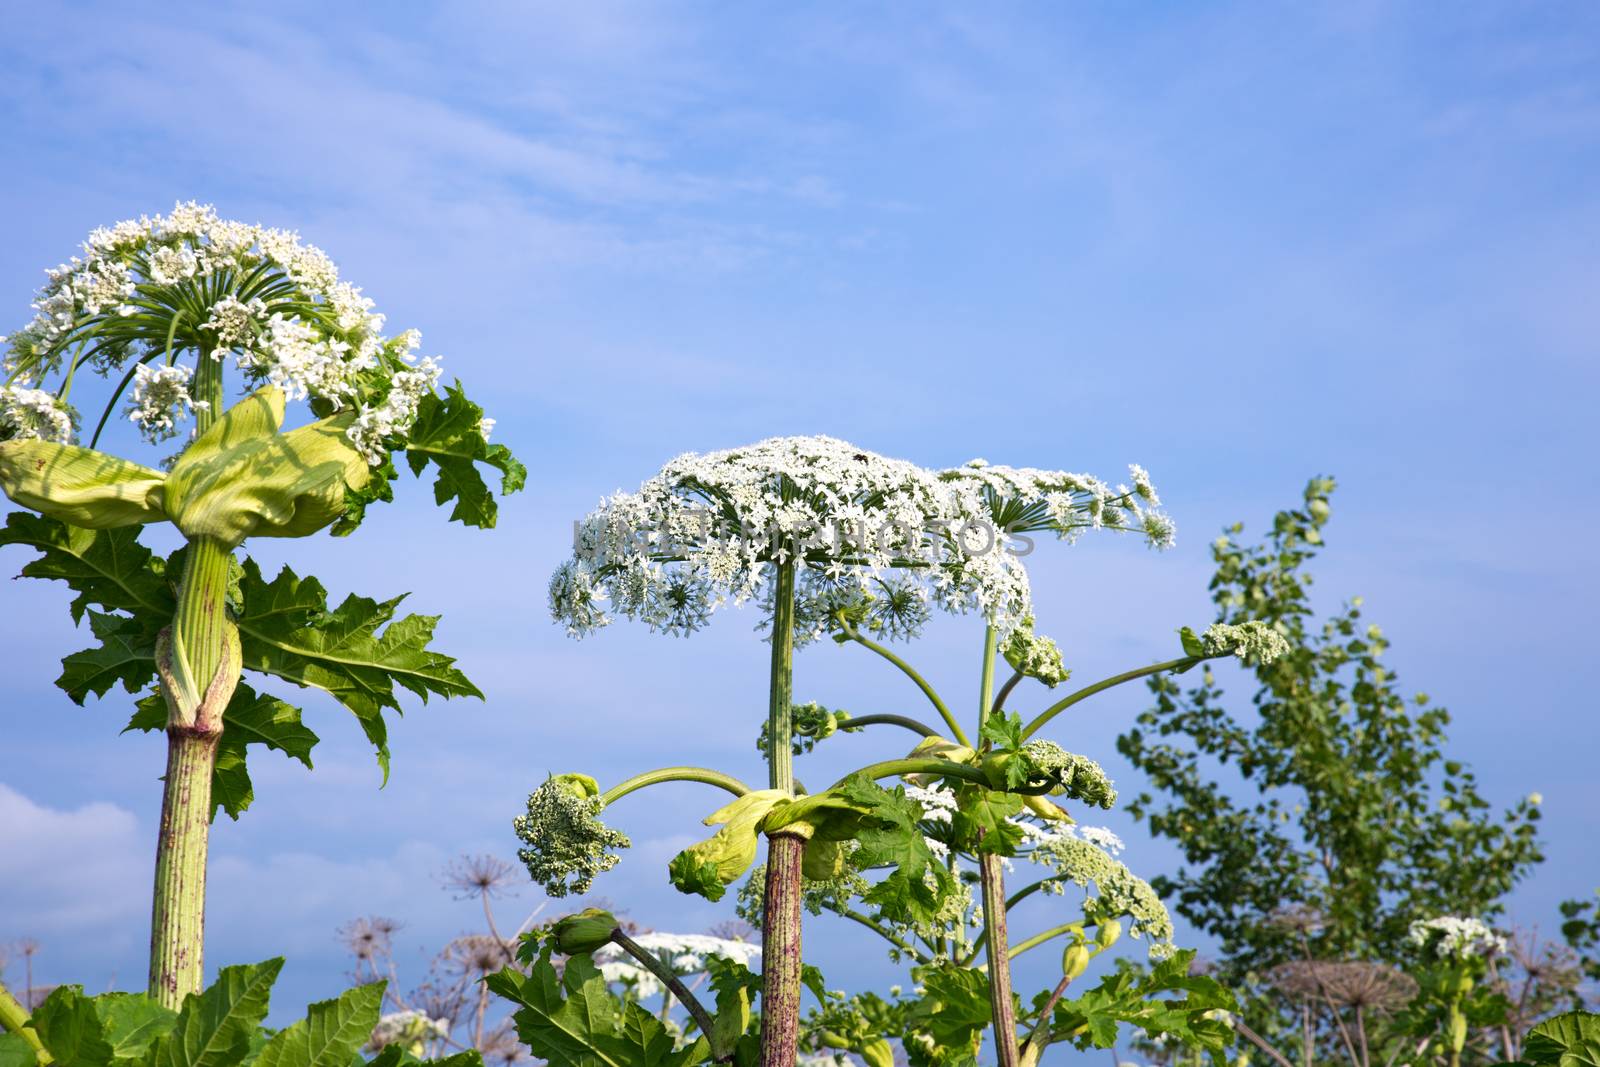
point(584, 932)
point(1108, 934)
point(1075, 960)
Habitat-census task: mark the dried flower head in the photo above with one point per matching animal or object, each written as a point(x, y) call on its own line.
point(1348, 984)
point(369, 938)
point(470, 877)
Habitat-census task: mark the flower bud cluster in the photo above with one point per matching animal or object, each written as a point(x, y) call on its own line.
point(567, 844)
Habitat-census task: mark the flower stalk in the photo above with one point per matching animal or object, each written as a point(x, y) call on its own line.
point(14, 1020)
point(992, 881)
point(199, 667)
point(780, 928)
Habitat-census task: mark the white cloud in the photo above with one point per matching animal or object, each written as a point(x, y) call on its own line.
point(70, 871)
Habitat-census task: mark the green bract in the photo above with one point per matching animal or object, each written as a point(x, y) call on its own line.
point(583, 932)
point(241, 478)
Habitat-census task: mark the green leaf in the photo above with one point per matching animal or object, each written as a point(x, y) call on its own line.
point(214, 1027)
point(982, 821)
point(108, 568)
point(287, 630)
point(79, 485)
point(133, 1022)
point(330, 1035)
point(1192, 645)
point(690, 873)
point(955, 1008)
point(1003, 731)
point(16, 1052)
point(126, 654)
point(250, 718)
point(69, 1027)
point(576, 1021)
point(1568, 1040)
point(446, 434)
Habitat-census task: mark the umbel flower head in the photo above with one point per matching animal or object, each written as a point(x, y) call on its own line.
point(1452, 938)
point(144, 293)
point(1120, 892)
point(706, 529)
point(567, 843)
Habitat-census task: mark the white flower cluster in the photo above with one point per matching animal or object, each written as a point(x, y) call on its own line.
point(705, 530)
point(1452, 938)
point(274, 302)
point(159, 399)
point(685, 954)
point(407, 1028)
point(1252, 642)
point(33, 414)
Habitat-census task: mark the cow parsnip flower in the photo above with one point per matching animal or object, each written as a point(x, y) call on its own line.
point(1451, 937)
point(705, 530)
point(1118, 891)
point(1252, 642)
point(145, 292)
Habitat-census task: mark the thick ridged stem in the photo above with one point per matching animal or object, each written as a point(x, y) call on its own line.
point(780, 952)
point(992, 881)
point(14, 1020)
point(178, 916)
point(780, 925)
point(199, 665)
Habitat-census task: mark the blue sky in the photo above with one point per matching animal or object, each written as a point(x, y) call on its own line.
point(1238, 244)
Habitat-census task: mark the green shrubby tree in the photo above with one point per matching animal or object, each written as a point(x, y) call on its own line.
point(182, 313)
point(1325, 832)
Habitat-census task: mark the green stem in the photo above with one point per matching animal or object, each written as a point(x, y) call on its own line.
point(906, 721)
point(918, 765)
point(1088, 691)
point(703, 775)
point(198, 660)
point(14, 1020)
point(927, 690)
point(676, 987)
point(992, 882)
point(1040, 938)
point(780, 925)
point(898, 942)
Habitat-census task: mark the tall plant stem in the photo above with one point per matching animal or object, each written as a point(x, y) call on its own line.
point(992, 879)
point(780, 925)
point(1044, 717)
point(198, 661)
point(14, 1020)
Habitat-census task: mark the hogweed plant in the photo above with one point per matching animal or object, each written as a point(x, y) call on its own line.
point(837, 542)
point(169, 309)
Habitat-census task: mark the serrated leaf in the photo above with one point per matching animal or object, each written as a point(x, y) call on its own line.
point(133, 1022)
point(250, 718)
point(330, 1035)
point(287, 630)
point(106, 568)
point(576, 1021)
point(1568, 1040)
point(446, 433)
point(126, 655)
point(215, 1027)
point(70, 1029)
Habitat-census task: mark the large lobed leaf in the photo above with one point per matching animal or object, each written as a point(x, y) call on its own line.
point(286, 629)
point(447, 435)
point(574, 1020)
point(250, 718)
point(330, 1035)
